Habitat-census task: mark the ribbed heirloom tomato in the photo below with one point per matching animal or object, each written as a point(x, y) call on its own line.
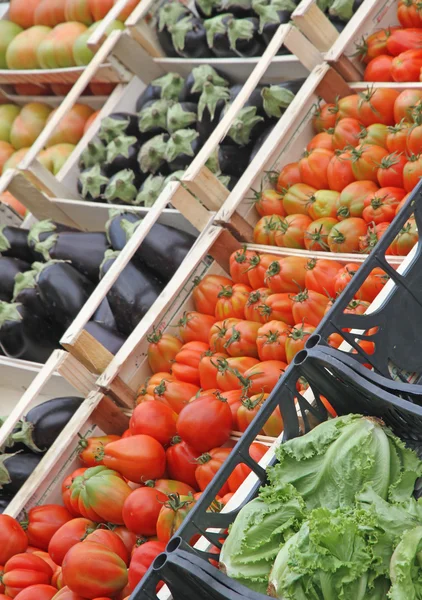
point(286, 274)
point(248, 409)
point(374, 45)
point(142, 559)
point(412, 172)
point(320, 275)
point(206, 290)
point(324, 139)
point(239, 265)
point(325, 117)
point(111, 541)
point(297, 339)
point(171, 486)
point(265, 230)
point(137, 458)
point(39, 591)
point(309, 306)
point(67, 536)
point(172, 514)
point(271, 341)
point(407, 66)
point(291, 231)
point(141, 510)
point(240, 339)
point(344, 276)
point(218, 333)
point(379, 69)
point(316, 234)
point(195, 326)
point(176, 394)
point(313, 167)
point(154, 419)
point(207, 369)
point(346, 133)
point(263, 377)
point(296, 198)
point(323, 204)
point(277, 307)
point(208, 465)
point(231, 370)
point(390, 172)
point(13, 539)
point(186, 362)
point(375, 134)
point(268, 202)
point(344, 237)
point(340, 172)
point(365, 161)
point(258, 269)
point(255, 299)
point(43, 522)
point(181, 461)
point(397, 137)
point(404, 105)
point(351, 200)
point(231, 301)
point(162, 348)
point(90, 449)
point(288, 176)
point(24, 570)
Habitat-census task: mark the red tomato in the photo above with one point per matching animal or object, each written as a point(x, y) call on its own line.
point(344, 237)
point(231, 372)
point(412, 172)
point(405, 105)
point(406, 239)
point(297, 339)
point(93, 570)
point(265, 230)
point(145, 392)
point(67, 536)
point(271, 341)
point(172, 486)
point(186, 362)
point(208, 465)
point(348, 106)
point(240, 339)
point(344, 276)
point(218, 333)
point(234, 400)
point(205, 423)
point(289, 175)
point(340, 172)
point(313, 167)
point(43, 522)
point(141, 510)
point(365, 162)
point(291, 231)
point(375, 135)
point(401, 203)
point(24, 570)
point(374, 45)
point(323, 204)
point(176, 394)
point(13, 539)
point(324, 139)
point(309, 306)
point(370, 240)
point(162, 349)
point(141, 561)
point(390, 172)
point(205, 293)
point(414, 141)
point(139, 457)
point(195, 326)
point(397, 137)
point(255, 299)
point(239, 474)
point(346, 133)
point(377, 210)
point(277, 307)
point(231, 301)
point(263, 377)
point(379, 69)
point(407, 66)
point(66, 594)
point(296, 198)
point(268, 202)
point(248, 409)
point(320, 275)
point(91, 449)
point(38, 592)
point(325, 117)
point(258, 268)
point(316, 234)
point(111, 541)
point(172, 515)
point(128, 538)
point(286, 274)
point(181, 461)
point(207, 369)
point(401, 40)
point(372, 285)
point(351, 201)
point(239, 265)
point(66, 485)
point(376, 106)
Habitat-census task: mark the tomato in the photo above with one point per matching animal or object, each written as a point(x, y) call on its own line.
point(43, 522)
point(372, 285)
point(297, 339)
point(232, 370)
point(277, 307)
point(265, 230)
point(325, 117)
point(344, 276)
point(208, 465)
point(402, 203)
point(162, 349)
point(268, 202)
point(259, 265)
point(374, 45)
point(186, 362)
point(344, 237)
point(323, 204)
point(206, 290)
point(378, 210)
point(205, 423)
point(255, 299)
point(240, 339)
point(40, 592)
point(320, 274)
point(207, 369)
point(346, 133)
point(99, 493)
point(231, 301)
point(414, 141)
point(351, 200)
point(313, 167)
point(67, 536)
point(65, 594)
point(365, 161)
point(234, 400)
point(172, 486)
point(263, 377)
point(376, 106)
point(296, 198)
point(140, 457)
point(274, 425)
point(317, 233)
point(404, 105)
point(145, 392)
point(406, 239)
point(181, 461)
point(289, 175)
point(348, 107)
point(128, 538)
point(401, 40)
point(379, 69)
point(239, 265)
point(176, 394)
point(218, 333)
point(248, 409)
point(66, 485)
point(271, 341)
point(195, 326)
point(375, 135)
point(286, 274)
point(24, 570)
point(390, 172)
point(370, 240)
point(172, 515)
point(141, 510)
point(239, 473)
point(153, 419)
point(396, 141)
point(90, 450)
point(407, 66)
point(408, 13)
point(324, 139)
point(340, 172)
point(111, 541)
point(291, 231)
point(13, 539)
point(93, 570)
point(142, 559)
point(309, 306)
point(412, 172)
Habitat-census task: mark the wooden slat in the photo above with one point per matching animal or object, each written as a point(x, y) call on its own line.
point(314, 24)
point(191, 208)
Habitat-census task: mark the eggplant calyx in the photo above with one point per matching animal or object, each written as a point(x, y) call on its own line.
point(180, 143)
point(25, 436)
point(213, 163)
point(151, 154)
point(120, 147)
point(175, 176)
point(121, 187)
point(24, 281)
point(94, 154)
point(112, 128)
point(129, 228)
point(180, 30)
point(151, 189)
point(211, 95)
point(46, 226)
point(216, 25)
point(178, 118)
point(240, 29)
point(4, 242)
point(153, 116)
point(92, 181)
point(169, 14)
point(275, 99)
point(267, 15)
point(240, 131)
point(171, 85)
point(9, 312)
point(44, 247)
point(288, 5)
point(204, 74)
point(5, 478)
point(108, 255)
point(224, 179)
point(228, 4)
point(207, 6)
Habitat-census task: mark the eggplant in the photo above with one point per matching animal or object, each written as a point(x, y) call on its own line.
point(229, 160)
point(122, 153)
point(133, 293)
point(195, 81)
point(111, 339)
point(94, 154)
point(275, 100)
point(41, 230)
point(239, 8)
point(84, 250)
point(210, 106)
point(4, 503)
point(92, 183)
point(24, 335)
point(167, 87)
point(246, 127)
point(14, 244)
point(356, 5)
point(9, 268)
point(259, 142)
point(63, 289)
point(123, 187)
point(42, 425)
point(339, 24)
point(118, 124)
point(271, 17)
point(151, 156)
point(25, 292)
point(168, 15)
point(104, 315)
point(150, 190)
point(208, 8)
point(181, 116)
point(15, 470)
point(116, 227)
point(244, 37)
point(153, 118)
point(182, 146)
point(189, 38)
point(217, 35)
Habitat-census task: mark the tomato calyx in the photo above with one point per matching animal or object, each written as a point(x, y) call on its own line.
point(253, 298)
point(337, 236)
point(273, 269)
point(222, 365)
point(302, 296)
point(160, 389)
point(367, 97)
point(272, 337)
point(390, 160)
point(155, 336)
point(204, 458)
point(317, 237)
point(271, 225)
point(250, 404)
point(226, 292)
point(298, 333)
point(265, 310)
point(184, 320)
point(174, 501)
point(235, 337)
point(254, 262)
point(311, 264)
point(377, 202)
point(240, 257)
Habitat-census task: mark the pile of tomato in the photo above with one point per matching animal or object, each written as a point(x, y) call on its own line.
point(352, 180)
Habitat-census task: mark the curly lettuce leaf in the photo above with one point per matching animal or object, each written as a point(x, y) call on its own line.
point(406, 567)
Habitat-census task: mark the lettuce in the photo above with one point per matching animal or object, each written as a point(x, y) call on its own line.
point(406, 567)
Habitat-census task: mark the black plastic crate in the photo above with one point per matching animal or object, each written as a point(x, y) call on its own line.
point(350, 388)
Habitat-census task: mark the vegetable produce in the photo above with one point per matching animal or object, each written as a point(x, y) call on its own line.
point(15, 470)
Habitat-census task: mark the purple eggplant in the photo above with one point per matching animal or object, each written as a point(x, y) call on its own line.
point(189, 38)
point(210, 106)
point(151, 156)
point(94, 154)
point(26, 292)
point(149, 191)
point(15, 470)
point(244, 37)
point(168, 15)
point(123, 187)
point(195, 81)
point(182, 146)
point(14, 244)
point(122, 154)
point(208, 8)
point(104, 315)
point(167, 87)
point(217, 35)
point(111, 339)
point(9, 268)
point(153, 118)
point(181, 115)
point(92, 183)
point(229, 160)
point(239, 8)
point(245, 128)
point(118, 124)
